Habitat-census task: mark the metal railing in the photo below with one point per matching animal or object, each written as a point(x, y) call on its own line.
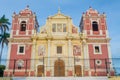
point(88, 67)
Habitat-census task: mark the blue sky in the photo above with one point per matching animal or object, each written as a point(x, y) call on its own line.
point(73, 8)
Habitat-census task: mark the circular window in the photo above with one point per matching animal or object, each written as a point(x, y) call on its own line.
point(98, 62)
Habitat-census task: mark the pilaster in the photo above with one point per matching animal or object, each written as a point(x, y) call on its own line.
point(69, 52)
point(8, 57)
point(48, 53)
point(109, 54)
point(33, 54)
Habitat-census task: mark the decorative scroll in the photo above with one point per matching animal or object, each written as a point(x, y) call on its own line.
point(41, 50)
point(43, 31)
point(76, 50)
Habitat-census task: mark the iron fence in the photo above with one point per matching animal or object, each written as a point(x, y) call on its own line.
point(89, 67)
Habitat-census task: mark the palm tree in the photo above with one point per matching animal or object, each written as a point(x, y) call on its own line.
point(3, 40)
point(4, 22)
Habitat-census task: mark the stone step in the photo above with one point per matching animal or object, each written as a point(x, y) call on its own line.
point(59, 78)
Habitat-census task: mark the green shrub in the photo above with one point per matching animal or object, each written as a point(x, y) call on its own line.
point(2, 68)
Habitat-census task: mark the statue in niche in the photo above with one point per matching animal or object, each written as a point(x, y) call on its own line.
point(59, 27)
point(76, 50)
point(74, 29)
point(41, 50)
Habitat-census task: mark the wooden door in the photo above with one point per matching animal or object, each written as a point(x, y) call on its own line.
point(78, 70)
point(59, 68)
point(40, 70)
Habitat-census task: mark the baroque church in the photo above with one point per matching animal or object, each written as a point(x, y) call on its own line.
point(59, 48)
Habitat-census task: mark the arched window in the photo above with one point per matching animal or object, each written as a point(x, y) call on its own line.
point(95, 26)
point(23, 26)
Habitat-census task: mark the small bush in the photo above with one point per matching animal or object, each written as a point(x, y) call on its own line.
point(2, 68)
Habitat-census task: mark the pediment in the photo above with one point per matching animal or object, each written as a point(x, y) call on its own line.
point(59, 15)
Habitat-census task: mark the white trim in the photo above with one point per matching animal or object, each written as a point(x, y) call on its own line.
point(107, 34)
point(97, 43)
point(8, 56)
point(100, 32)
point(110, 56)
point(91, 32)
point(17, 32)
point(27, 31)
point(18, 53)
point(17, 70)
point(23, 19)
point(100, 52)
point(33, 31)
point(96, 62)
point(21, 43)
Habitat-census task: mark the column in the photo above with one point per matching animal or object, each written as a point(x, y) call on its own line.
point(33, 55)
point(69, 52)
point(109, 54)
point(48, 54)
point(8, 57)
point(86, 59)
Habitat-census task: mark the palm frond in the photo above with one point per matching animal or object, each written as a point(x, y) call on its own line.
point(4, 22)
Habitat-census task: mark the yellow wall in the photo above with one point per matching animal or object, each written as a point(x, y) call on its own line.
point(58, 39)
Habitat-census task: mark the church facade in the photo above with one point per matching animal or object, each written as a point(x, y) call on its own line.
point(59, 48)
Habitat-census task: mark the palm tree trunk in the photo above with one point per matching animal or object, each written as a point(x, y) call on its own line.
point(1, 54)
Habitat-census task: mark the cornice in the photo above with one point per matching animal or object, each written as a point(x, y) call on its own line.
point(19, 40)
point(106, 40)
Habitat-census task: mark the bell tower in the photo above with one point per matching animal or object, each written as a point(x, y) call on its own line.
point(24, 23)
point(24, 26)
point(93, 25)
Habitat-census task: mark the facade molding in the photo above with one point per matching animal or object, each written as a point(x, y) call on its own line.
point(60, 42)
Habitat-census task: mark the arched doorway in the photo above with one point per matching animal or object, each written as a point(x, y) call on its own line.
point(78, 70)
point(40, 70)
point(59, 68)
